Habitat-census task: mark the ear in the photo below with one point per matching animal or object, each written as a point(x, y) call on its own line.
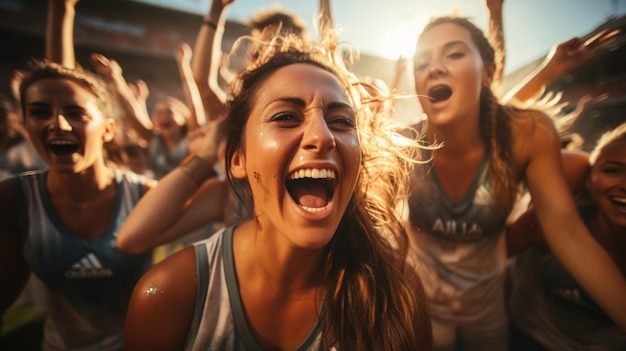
point(109, 130)
point(238, 165)
point(488, 75)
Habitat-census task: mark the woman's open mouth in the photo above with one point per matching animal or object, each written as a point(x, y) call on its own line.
point(312, 188)
point(63, 147)
point(440, 93)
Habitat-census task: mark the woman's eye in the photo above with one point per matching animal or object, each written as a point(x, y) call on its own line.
point(343, 123)
point(39, 113)
point(76, 114)
point(285, 117)
point(611, 170)
point(456, 55)
point(420, 64)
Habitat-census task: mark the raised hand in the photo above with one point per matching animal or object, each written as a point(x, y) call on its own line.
point(205, 140)
point(574, 52)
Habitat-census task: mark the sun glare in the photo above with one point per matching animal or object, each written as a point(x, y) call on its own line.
point(399, 41)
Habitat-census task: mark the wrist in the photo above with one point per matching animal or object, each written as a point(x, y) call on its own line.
point(197, 169)
point(210, 23)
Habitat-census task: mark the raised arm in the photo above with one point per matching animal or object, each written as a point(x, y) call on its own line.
point(566, 234)
point(60, 32)
point(325, 13)
point(136, 112)
point(187, 198)
point(496, 36)
point(190, 88)
point(561, 59)
point(206, 59)
point(525, 232)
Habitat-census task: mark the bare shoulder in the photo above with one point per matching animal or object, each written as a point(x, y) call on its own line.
point(527, 123)
point(576, 168)
point(533, 133)
point(162, 304)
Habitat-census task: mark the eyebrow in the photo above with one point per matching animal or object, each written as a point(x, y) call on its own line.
point(445, 46)
point(453, 43)
point(333, 105)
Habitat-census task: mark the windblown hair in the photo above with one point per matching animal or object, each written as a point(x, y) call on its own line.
point(289, 23)
point(43, 69)
point(494, 120)
point(608, 138)
point(374, 300)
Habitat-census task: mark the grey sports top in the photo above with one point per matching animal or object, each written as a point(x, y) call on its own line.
point(219, 321)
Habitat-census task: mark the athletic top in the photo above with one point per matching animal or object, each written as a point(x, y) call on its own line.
point(219, 321)
point(474, 218)
point(163, 161)
point(547, 304)
point(88, 282)
point(461, 256)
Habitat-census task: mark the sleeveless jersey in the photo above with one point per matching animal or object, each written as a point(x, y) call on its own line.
point(551, 307)
point(219, 321)
point(88, 282)
point(460, 249)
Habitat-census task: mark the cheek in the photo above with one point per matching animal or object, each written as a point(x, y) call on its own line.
point(352, 149)
point(599, 185)
point(418, 80)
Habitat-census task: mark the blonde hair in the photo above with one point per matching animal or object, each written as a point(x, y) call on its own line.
point(608, 138)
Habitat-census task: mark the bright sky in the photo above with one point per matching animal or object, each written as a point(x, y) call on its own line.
point(389, 28)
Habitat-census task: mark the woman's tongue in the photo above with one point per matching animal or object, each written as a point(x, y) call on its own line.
point(310, 194)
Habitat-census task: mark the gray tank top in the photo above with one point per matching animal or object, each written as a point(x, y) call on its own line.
point(219, 321)
point(88, 282)
point(476, 217)
point(460, 251)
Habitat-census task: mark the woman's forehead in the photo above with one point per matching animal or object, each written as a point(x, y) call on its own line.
point(302, 80)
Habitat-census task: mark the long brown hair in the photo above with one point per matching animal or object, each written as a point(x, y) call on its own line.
point(374, 300)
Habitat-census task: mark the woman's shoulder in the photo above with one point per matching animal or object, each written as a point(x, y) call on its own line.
point(171, 281)
point(162, 305)
point(533, 130)
point(527, 120)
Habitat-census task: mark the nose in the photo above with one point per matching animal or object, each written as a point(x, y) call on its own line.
point(436, 67)
point(317, 136)
point(60, 122)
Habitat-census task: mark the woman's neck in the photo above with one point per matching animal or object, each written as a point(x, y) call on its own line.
point(456, 140)
point(287, 270)
point(82, 186)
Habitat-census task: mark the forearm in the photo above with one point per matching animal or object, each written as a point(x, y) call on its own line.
point(325, 13)
point(192, 94)
point(159, 218)
point(60, 33)
point(135, 112)
point(532, 85)
point(496, 37)
point(205, 62)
